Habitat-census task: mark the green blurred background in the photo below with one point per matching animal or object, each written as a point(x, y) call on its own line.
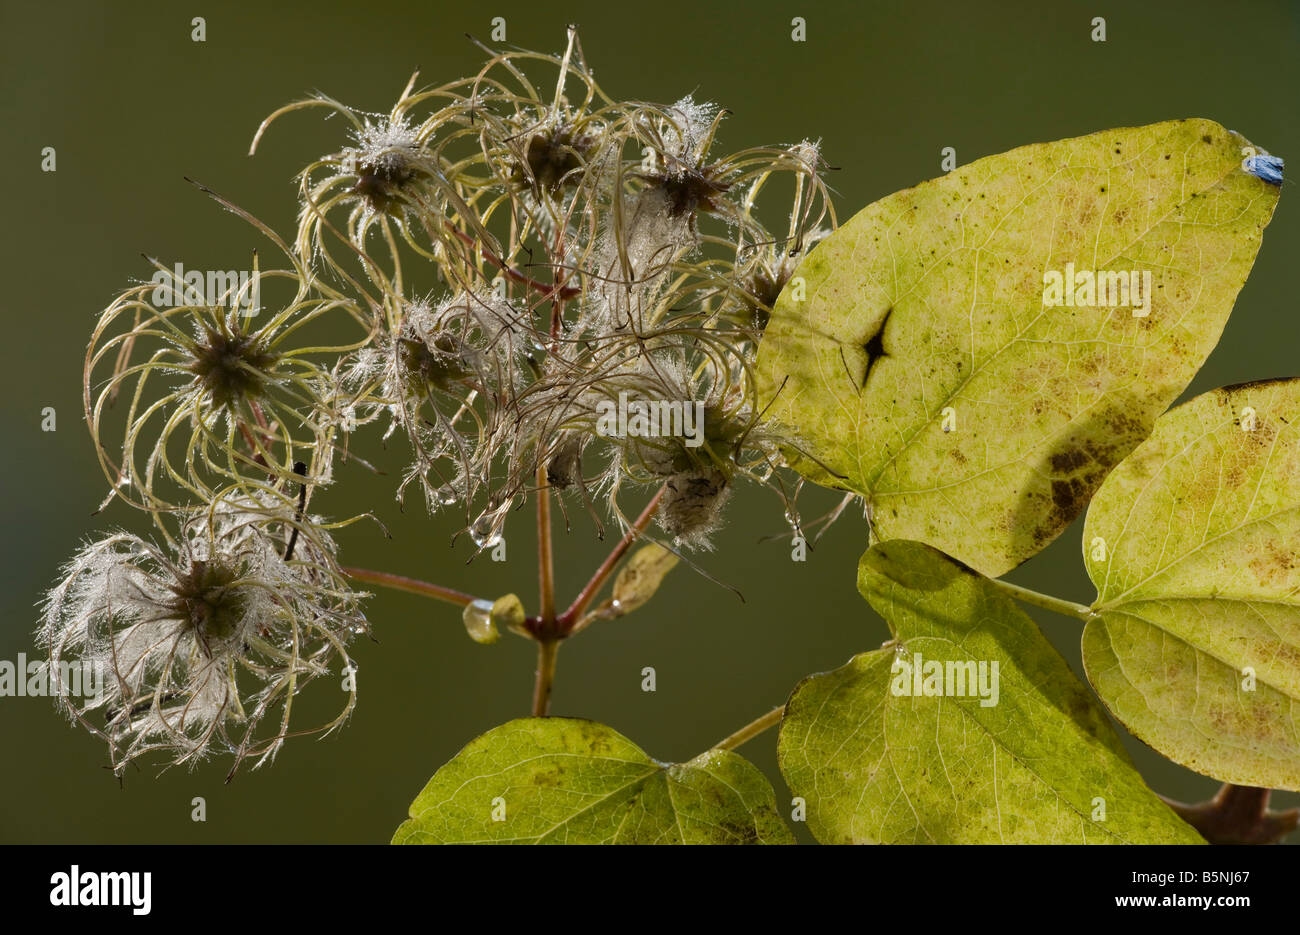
point(131, 105)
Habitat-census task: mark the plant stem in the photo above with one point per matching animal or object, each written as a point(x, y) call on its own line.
point(751, 730)
point(547, 650)
point(545, 555)
point(580, 603)
point(410, 585)
point(1237, 815)
point(563, 292)
point(1055, 604)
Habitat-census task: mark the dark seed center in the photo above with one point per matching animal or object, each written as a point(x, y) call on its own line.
point(231, 367)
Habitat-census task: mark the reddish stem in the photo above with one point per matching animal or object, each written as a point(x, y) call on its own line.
point(548, 292)
point(547, 650)
point(545, 557)
point(567, 619)
point(251, 442)
point(410, 585)
point(1238, 815)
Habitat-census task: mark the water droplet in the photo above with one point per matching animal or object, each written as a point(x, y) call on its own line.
point(483, 533)
point(792, 518)
point(486, 530)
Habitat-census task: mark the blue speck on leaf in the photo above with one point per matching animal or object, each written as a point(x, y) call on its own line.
point(1264, 166)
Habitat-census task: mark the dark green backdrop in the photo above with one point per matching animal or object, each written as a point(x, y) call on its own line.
point(132, 104)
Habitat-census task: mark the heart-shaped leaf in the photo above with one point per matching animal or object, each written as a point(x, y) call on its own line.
point(1194, 545)
point(968, 729)
point(922, 357)
point(570, 781)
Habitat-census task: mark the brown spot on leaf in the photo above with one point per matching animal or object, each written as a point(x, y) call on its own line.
point(1066, 462)
point(1276, 565)
point(1065, 496)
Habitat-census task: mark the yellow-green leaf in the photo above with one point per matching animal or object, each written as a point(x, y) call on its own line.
point(570, 781)
point(1194, 545)
point(1014, 749)
point(915, 358)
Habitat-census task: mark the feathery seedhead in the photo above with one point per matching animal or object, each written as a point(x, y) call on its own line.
point(183, 400)
point(199, 642)
point(691, 509)
point(555, 156)
point(387, 167)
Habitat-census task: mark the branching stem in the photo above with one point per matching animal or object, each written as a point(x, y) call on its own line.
point(570, 616)
point(1237, 815)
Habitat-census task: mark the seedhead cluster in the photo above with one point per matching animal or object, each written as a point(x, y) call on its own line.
point(482, 271)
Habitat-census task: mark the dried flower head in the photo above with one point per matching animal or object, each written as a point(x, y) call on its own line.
point(586, 252)
point(187, 392)
point(400, 179)
point(445, 374)
point(203, 644)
